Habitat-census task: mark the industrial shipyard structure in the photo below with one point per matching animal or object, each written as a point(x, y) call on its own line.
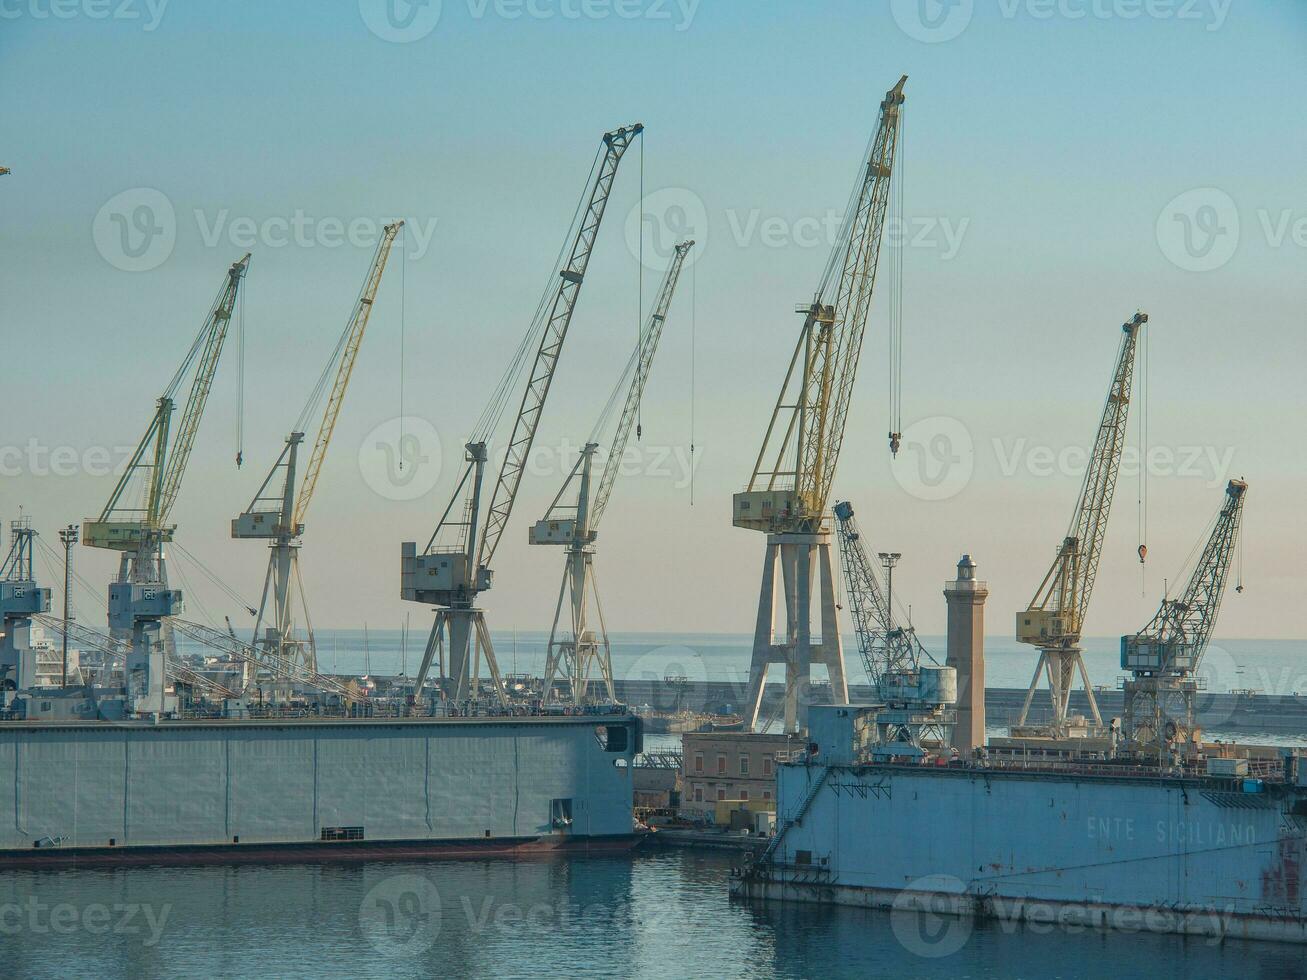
point(132, 751)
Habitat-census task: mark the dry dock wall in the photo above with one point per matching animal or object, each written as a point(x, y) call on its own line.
point(1002, 843)
point(181, 784)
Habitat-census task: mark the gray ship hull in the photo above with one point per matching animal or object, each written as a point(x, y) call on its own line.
point(313, 789)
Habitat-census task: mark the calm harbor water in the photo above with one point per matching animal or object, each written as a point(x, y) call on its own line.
point(656, 914)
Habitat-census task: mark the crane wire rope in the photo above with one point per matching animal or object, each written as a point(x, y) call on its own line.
point(1141, 515)
point(639, 306)
point(500, 395)
point(694, 310)
point(897, 255)
point(403, 322)
point(240, 380)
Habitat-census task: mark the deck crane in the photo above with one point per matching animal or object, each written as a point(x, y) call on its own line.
point(576, 526)
point(451, 576)
point(277, 514)
point(138, 528)
point(21, 599)
point(1165, 655)
point(791, 482)
point(919, 695)
point(1056, 614)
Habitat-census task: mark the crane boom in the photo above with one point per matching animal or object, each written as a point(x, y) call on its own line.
point(351, 341)
point(641, 359)
point(886, 647)
point(571, 276)
point(825, 360)
point(124, 528)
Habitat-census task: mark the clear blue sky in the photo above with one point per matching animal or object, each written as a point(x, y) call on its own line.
point(1046, 145)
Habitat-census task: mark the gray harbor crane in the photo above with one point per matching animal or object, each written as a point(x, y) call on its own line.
point(576, 647)
point(454, 567)
point(1164, 657)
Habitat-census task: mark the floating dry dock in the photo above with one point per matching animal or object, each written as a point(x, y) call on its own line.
point(313, 789)
point(1089, 845)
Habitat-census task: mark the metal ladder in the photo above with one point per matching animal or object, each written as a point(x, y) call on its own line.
point(813, 790)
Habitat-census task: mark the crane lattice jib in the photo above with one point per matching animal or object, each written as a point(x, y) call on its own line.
point(219, 319)
point(358, 324)
point(648, 347)
point(885, 648)
point(571, 276)
point(1070, 582)
point(840, 334)
point(1186, 624)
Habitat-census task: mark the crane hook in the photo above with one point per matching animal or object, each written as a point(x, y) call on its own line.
point(1143, 553)
point(895, 440)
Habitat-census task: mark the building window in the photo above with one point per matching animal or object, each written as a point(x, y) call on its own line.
point(698, 762)
point(721, 794)
point(721, 765)
point(744, 795)
point(766, 765)
point(744, 764)
point(698, 794)
point(766, 794)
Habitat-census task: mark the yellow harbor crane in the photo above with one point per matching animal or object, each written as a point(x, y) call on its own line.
point(791, 482)
point(1053, 620)
point(135, 521)
point(278, 516)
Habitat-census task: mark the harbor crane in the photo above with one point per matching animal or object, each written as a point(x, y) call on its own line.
point(576, 526)
point(21, 599)
point(1054, 619)
point(135, 520)
point(1163, 658)
point(919, 695)
point(452, 576)
point(791, 482)
point(277, 514)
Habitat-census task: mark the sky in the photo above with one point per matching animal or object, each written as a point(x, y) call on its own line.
point(1064, 163)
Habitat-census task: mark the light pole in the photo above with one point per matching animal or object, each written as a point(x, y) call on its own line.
point(69, 537)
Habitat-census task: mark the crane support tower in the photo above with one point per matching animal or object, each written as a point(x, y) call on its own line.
point(918, 696)
point(791, 482)
point(578, 651)
point(1053, 620)
point(20, 600)
point(278, 515)
point(1163, 658)
point(451, 576)
point(140, 600)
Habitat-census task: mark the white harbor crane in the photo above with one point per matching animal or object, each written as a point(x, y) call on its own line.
point(791, 482)
point(1163, 658)
point(21, 599)
point(919, 695)
point(277, 514)
point(580, 649)
point(451, 576)
point(135, 520)
point(1056, 615)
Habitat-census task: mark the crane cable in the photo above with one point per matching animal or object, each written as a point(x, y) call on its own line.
point(1141, 516)
point(403, 321)
point(896, 256)
point(240, 381)
point(694, 309)
point(639, 308)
